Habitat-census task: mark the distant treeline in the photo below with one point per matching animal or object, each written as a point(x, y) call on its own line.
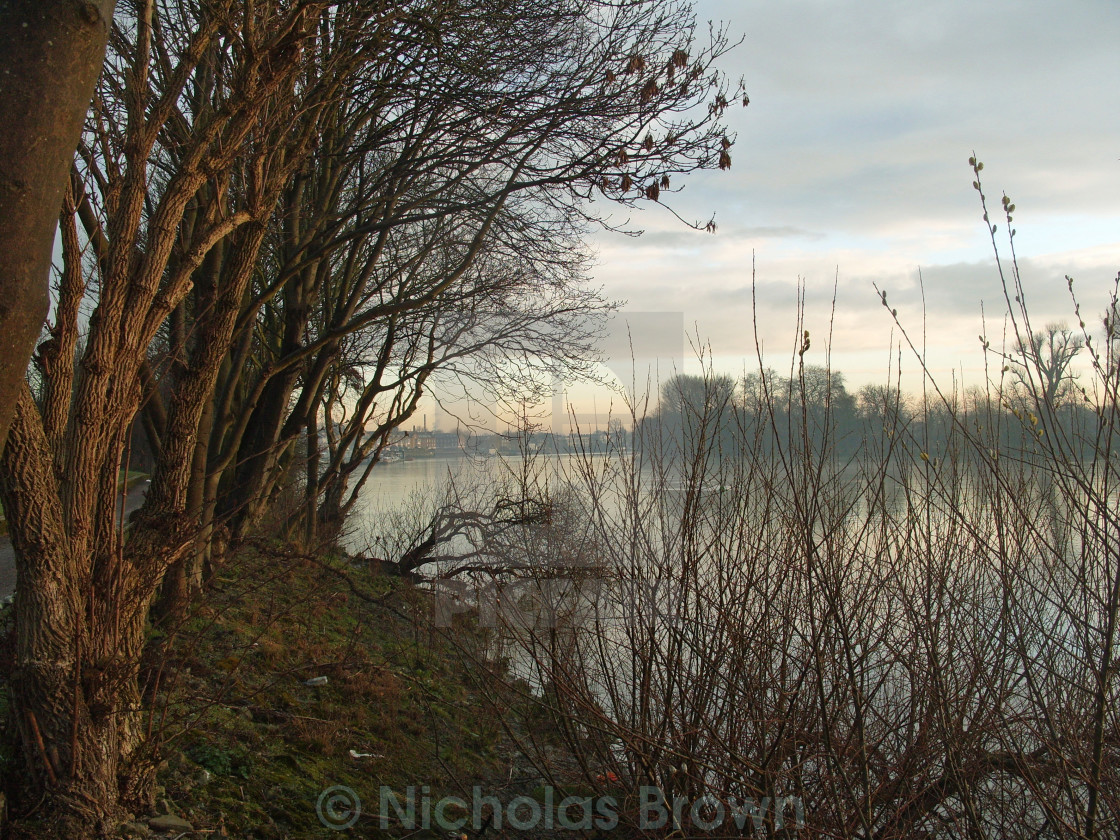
point(770, 412)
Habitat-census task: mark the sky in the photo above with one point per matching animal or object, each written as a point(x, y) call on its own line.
point(850, 168)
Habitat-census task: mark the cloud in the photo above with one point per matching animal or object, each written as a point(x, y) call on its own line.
point(849, 171)
point(872, 108)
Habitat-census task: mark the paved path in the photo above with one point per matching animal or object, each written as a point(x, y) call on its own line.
point(132, 501)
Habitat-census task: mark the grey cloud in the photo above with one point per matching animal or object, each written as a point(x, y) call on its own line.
point(874, 107)
point(853, 154)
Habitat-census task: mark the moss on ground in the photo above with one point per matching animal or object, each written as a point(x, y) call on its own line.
point(249, 747)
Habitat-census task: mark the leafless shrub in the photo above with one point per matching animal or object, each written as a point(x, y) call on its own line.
point(916, 644)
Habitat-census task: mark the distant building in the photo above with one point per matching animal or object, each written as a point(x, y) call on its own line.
point(423, 440)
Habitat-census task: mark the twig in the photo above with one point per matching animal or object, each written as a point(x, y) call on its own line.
point(42, 749)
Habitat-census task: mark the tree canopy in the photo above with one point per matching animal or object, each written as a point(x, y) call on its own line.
point(282, 220)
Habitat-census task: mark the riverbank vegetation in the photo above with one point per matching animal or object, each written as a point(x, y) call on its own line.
point(896, 615)
point(299, 673)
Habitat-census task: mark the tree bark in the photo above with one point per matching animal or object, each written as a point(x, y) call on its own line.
point(74, 683)
point(50, 55)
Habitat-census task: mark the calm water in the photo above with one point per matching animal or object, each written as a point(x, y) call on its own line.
point(413, 485)
point(393, 487)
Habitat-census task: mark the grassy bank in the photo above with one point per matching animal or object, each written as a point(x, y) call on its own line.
point(249, 746)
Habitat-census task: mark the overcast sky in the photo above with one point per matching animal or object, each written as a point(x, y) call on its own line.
point(850, 164)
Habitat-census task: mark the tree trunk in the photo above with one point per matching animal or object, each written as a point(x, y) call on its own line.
point(183, 579)
point(50, 54)
point(80, 616)
point(258, 456)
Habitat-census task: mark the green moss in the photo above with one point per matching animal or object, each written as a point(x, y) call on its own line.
point(269, 744)
point(219, 761)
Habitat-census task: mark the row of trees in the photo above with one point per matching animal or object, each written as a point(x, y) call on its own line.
point(282, 220)
point(814, 401)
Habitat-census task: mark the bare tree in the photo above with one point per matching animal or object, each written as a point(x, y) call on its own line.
point(427, 175)
point(189, 102)
point(1045, 363)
